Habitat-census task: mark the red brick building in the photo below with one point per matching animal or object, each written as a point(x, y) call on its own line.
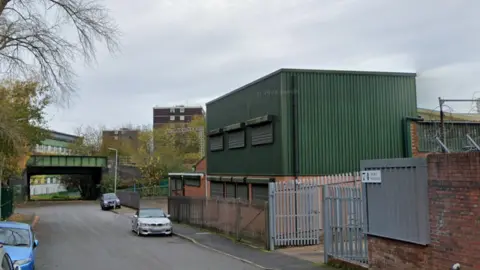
point(176, 114)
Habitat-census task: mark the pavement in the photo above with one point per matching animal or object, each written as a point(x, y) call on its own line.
point(254, 256)
point(78, 236)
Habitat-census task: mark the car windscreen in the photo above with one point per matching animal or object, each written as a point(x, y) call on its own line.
point(14, 237)
point(109, 196)
point(152, 213)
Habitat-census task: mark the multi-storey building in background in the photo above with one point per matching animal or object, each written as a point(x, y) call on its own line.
point(176, 114)
point(57, 143)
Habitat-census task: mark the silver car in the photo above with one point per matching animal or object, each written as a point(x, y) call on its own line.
point(148, 221)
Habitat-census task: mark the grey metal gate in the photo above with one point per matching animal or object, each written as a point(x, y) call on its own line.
point(294, 213)
point(344, 220)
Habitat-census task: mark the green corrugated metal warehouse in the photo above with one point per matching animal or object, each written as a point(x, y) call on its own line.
point(309, 122)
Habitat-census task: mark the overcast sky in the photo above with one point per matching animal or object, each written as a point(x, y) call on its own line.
point(189, 52)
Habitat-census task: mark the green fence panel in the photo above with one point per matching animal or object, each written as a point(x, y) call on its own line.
point(6, 203)
point(164, 183)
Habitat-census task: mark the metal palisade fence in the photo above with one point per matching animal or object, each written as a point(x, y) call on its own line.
point(316, 210)
point(295, 209)
point(344, 222)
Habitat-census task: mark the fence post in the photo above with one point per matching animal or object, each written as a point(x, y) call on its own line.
point(238, 218)
point(326, 224)
point(202, 217)
point(271, 216)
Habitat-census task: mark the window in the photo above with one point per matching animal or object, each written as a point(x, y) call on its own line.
point(216, 143)
point(182, 117)
point(262, 134)
point(242, 191)
point(49, 180)
point(6, 262)
point(216, 189)
point(193, 181)
point(151, 213)
point(230, 190)
point(172, 117)
point(236, 139)
point(172, 110)
point(182, 109)
point(259, 192)
point(236, 190)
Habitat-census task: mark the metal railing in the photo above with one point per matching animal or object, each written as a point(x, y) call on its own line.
point(147, 192)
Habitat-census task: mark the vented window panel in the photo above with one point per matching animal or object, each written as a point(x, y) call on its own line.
point(193, 181)
point(260, 192)
point(216, 143)
point(236, 139)
point(262, 134)
point(230, 190)
point(242, 191)
point(216, 189)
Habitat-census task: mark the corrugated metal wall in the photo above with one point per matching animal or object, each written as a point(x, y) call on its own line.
point(343, 118)
point(258, 99)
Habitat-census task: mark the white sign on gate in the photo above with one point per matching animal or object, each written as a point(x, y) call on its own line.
point(369, 177)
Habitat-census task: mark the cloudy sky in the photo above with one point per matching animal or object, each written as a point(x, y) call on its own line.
point(189, 52)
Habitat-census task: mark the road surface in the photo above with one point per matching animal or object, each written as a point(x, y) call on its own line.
point(79, 236)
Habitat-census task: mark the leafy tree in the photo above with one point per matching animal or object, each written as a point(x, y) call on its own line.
point(157, 155)
point(89, 142)
point(82, 183)
point(22, 122)
point(32, 29)
point(189, 138)
point(22, 115)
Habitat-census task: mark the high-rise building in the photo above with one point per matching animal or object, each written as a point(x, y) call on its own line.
point(176, 114)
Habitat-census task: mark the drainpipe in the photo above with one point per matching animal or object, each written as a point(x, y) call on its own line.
point(295, 143)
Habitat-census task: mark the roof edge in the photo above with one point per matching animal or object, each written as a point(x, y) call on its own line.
point(346, 71)
point(324, 71)
point(245, 86)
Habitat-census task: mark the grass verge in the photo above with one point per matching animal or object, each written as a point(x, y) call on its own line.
point(61, 196)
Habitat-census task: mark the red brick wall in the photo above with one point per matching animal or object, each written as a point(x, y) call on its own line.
point(201, 166)
point(414, 140)
point(454, 195)
point(196, 191)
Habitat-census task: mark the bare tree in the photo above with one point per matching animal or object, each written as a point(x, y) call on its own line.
point(32, 41)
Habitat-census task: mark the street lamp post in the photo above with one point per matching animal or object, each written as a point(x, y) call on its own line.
point(116, 169)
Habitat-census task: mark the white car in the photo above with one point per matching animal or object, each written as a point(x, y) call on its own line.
point(6, 263)
point(147, 221)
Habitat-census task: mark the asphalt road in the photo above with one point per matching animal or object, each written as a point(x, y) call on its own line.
point(81, 236)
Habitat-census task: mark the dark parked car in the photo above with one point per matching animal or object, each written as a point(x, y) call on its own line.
point(109, 201)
